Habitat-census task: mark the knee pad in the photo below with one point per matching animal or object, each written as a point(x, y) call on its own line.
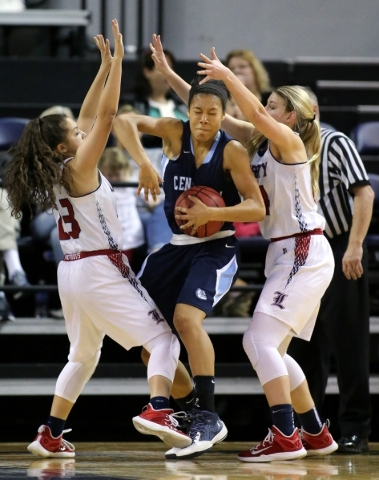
point(264, 357)
point(249, 347)
point(164, 355)
point(295, 373)
point(145, 355)
point(74, 376)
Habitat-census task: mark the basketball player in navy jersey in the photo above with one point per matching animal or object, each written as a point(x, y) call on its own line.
point(189, 275)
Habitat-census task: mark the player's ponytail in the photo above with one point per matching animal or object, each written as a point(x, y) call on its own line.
point(35, 165)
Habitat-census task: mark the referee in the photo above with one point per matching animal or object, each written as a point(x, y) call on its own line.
point(342, 327)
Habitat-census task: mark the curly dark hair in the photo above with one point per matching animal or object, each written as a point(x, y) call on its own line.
point(36, 165)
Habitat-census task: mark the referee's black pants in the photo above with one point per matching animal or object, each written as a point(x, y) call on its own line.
point(343, 331)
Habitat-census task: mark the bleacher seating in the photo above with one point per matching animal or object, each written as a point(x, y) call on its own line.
point(11, 129)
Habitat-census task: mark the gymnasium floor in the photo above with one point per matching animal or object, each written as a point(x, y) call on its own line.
point(139, 461)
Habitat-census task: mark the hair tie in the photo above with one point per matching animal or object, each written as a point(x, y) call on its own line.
point(215, 87)
point(312, 119)
point(40, 123)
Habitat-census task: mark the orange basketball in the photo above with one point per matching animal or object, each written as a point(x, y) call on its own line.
point(209, 197)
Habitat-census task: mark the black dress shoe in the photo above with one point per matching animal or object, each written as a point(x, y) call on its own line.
point(352, 444)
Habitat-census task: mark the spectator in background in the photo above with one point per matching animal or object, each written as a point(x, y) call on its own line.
point(152, 95)
point(343, 323)
point(150, 212)
point(10, 263)
point(115, 166)
point(251, 72)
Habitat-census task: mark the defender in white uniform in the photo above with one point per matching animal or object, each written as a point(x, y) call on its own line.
point(98, 290)
point(283, 139)
point(55, 165)
point(299, 263)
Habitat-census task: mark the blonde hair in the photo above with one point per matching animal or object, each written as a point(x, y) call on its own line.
point(297, 99)
point(113, 160)
point(262, 78)
point(127, 108)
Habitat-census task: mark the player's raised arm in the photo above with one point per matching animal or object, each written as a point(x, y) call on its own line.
point(180, 86)
point(128, 128)
point(88, 110)
point(250, 105)
point(89, 152)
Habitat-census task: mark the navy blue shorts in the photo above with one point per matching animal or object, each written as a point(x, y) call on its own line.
point(199, 274)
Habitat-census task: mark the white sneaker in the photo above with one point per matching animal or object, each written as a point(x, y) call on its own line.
point(206, 429)
point(171, 454)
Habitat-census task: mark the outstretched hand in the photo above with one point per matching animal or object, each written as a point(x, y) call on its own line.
point(118, 44)
point(149, 182)
point(212, 67)
point(158, 54)
point(104, 47)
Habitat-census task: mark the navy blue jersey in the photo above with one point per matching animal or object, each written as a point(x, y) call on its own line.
point(180, 174)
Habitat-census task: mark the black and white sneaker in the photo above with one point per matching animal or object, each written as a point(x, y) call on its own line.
point(206, 430)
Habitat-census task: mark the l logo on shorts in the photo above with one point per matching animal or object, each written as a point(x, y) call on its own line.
point(155, 316)
point(279, 299)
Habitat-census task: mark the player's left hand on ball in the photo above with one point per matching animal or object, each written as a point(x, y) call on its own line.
point(196, 216)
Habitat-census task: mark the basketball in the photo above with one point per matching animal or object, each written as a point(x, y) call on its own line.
point(209, 197)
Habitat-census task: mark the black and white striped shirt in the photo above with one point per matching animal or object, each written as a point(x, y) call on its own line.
point(341, 169)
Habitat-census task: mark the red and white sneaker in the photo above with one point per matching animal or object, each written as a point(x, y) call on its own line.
point(319, 444)
point(45, 445)
point(276, 446)
point(163, 424)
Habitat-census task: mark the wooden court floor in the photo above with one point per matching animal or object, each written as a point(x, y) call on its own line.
point(135, 461)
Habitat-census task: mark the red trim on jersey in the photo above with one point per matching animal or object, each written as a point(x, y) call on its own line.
point(316, 231)
point(70, 257)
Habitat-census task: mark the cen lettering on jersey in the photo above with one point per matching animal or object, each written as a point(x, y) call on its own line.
point(182, 183)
